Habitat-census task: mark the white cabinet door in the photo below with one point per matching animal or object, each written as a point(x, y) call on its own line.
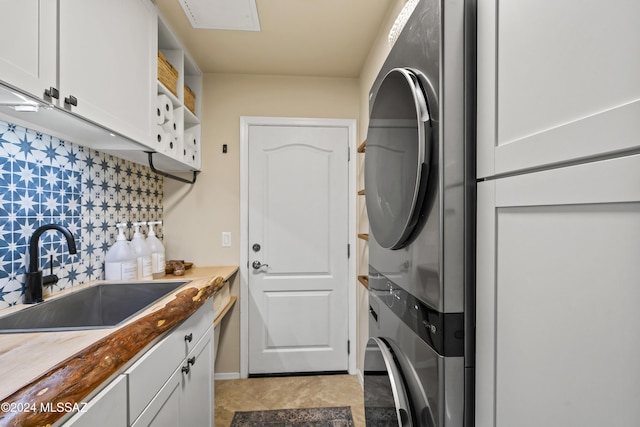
point(107, 409)
point(172, 384)
point(557, 81)
point(107, 59)
point(557, 297)
point(186, 399)
point(28, 52)
point(197, 385)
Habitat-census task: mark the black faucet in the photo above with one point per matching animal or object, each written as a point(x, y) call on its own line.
point(34, 281)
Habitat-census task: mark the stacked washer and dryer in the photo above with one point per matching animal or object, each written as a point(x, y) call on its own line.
point(420, 198)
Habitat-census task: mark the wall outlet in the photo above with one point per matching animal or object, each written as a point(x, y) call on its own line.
point(226, 239)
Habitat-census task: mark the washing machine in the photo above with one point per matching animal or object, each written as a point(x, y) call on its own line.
point(420, 199)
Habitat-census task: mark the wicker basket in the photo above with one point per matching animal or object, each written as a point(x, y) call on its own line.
point(189, 99)
point(167, 75)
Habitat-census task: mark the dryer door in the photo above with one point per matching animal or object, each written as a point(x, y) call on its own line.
point(386, 401)
point(398, 149)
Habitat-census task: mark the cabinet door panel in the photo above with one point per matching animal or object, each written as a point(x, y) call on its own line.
point(557, 292)
point(567, 294)
point(28, 53)
point(107, 62)
point(556, 82)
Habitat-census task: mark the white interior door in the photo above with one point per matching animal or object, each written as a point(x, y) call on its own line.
point(298, 236)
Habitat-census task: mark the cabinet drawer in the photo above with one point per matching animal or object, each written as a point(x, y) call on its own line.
point(152, 370)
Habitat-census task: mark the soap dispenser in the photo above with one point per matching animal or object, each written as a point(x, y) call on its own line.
point(120, 261)
point(157, 251)
point(142, 252)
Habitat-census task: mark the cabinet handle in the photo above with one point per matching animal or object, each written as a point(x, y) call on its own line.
point(52, 92)
point(71, 100)
point(191, 361)
point(188, 338)
point(186, 369)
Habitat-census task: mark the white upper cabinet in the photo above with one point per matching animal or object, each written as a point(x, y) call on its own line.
point(557, 81)
point(107, 54)
point(99, 61)
point(28, 53)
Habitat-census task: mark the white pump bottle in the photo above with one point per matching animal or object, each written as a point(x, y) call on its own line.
point(142, 252)
point(157, 251)
point(120, 262)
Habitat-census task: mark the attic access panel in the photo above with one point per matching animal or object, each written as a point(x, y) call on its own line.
point(222, 14)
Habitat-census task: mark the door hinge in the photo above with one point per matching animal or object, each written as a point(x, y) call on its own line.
point(348, 154)
point(348, 347)
point(348, 250)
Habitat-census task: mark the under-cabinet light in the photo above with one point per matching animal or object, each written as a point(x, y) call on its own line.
point(28, 108)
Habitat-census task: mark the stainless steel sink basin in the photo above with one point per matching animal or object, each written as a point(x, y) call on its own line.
point(104, 305)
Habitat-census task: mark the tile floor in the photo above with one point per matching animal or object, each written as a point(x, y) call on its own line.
point(258, 394)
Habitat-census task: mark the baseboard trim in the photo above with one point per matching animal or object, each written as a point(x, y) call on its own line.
point(360, 377)
point(226, 376)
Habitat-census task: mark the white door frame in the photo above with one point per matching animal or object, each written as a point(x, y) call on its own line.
point(245, 122)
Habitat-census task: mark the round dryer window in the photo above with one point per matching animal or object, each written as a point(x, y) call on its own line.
point(397, 158)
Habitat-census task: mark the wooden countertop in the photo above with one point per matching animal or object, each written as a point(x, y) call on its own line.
point(41, 365)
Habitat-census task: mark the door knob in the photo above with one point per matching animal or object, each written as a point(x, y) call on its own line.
point(258, 264)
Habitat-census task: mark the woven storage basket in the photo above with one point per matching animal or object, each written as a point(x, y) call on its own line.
point(167, 75)
point(189, 99)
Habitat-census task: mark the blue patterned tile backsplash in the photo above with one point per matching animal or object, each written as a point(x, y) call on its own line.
point(45, 180)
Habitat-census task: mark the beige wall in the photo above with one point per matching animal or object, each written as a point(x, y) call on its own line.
point(195, 216)
point(376, 58)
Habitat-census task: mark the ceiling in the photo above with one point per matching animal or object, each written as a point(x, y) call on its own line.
point(328, 38)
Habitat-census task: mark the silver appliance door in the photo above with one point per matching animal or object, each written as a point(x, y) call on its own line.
point(399, 141)
point(386, 400)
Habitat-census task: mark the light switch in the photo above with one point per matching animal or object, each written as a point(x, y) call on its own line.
point(226, 239)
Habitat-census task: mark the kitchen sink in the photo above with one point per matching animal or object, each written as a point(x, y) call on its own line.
point(105, 305)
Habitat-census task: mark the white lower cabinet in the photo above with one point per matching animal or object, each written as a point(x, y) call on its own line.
point(107, 409)
point(557, 297)
point(196, 402)
point(172, 384)
point(186, 399)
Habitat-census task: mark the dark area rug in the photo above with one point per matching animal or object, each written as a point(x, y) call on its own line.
point(306, 417)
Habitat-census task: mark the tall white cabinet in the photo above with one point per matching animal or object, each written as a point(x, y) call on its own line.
point(558, 225)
